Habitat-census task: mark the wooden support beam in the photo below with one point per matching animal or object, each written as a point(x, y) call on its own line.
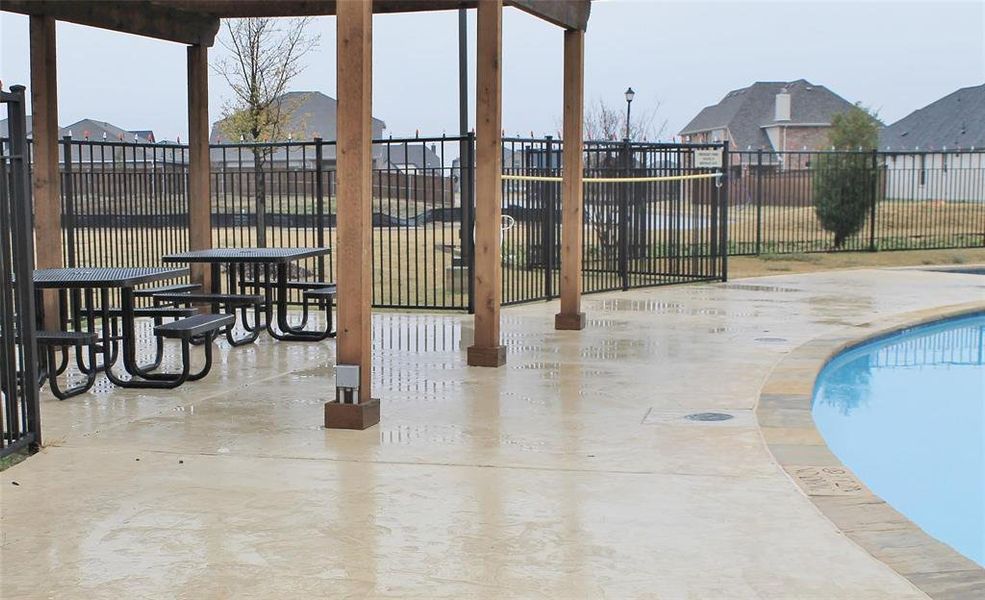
point(354, 229)
point(139, 17)
point(199, 190)
point(486, 350)
point(46, 178)
point(572, 190)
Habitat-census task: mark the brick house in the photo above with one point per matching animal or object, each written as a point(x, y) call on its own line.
point(775, 116)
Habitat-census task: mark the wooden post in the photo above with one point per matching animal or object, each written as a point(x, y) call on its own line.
point(199, 193)
point(354, 23)
point(486, 350)
point(46, 179)
point(571, 316)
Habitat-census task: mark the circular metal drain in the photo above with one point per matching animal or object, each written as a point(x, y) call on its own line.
point(708, 416)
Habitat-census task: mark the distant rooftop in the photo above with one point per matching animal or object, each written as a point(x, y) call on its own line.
point(746, 111)
point(955, 121)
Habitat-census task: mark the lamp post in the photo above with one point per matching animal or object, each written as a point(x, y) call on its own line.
point(630, 94)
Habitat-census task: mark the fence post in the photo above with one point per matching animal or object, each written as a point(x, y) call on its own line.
point(547, 235)
point(723, 213)
point(623, 219)
point(759, 202)
point(260, 196)
point(319, 206)
point(467, 202)
point(68, 194)
point(875, 201)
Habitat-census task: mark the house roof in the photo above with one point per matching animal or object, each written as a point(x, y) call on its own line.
point(955, 121)
point(311, 114)
point(419, 155)
point(5, 128)
point(91, 129)
point(95, 130)
point(746, 111)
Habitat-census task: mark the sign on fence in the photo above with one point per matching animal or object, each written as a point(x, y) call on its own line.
point(708, 159)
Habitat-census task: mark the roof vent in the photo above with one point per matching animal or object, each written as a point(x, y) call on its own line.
point(782, 106)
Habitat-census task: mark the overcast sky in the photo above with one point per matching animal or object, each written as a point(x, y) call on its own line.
point(893, 56)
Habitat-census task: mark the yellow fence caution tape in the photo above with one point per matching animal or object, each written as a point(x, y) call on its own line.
point(613, 179)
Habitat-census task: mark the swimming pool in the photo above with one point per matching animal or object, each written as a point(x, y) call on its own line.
point(906, 413)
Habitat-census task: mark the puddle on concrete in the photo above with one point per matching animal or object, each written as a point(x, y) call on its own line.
point(748, 287)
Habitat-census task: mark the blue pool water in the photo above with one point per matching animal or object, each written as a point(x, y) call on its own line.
point(907, 414)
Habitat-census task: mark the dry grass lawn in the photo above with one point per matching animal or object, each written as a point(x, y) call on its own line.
point(774, 264)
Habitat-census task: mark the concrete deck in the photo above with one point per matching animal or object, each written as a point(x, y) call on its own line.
point(569, 473)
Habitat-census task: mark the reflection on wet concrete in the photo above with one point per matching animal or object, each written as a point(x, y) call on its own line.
point(556, 476)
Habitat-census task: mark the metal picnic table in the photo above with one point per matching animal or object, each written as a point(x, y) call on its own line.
point(86, 280)
point(276, 293)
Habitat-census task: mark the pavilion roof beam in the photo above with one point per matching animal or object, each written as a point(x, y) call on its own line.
point(570, 14)
point(149, 19)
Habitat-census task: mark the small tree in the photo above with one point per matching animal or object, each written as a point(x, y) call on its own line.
point(264, 55)
point(845, 181)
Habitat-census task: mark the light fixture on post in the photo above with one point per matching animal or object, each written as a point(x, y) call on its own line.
point(630, 94)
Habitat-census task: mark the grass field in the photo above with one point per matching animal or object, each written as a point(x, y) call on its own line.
point(899, 225)
point(414, 266)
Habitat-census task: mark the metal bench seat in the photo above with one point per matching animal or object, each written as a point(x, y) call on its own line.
point(195, 326)
point(204, 328)
point(49, 341)
point(156, 312)
point(293, 284)
point(203, 298)
point(227, 303)
point(66, 338)
point(180, 287)
point(325, 293)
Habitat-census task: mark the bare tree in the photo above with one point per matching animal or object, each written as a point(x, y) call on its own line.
point(263, 56)
point(604, 122)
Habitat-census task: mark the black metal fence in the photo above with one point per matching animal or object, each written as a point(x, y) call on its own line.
point(21, 417)
point(125, 204)
point(921, 200)
point(635, 234)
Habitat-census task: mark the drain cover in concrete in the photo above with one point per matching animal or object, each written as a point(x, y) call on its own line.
point(771, 340)
point(827, 481)
point(708, 416)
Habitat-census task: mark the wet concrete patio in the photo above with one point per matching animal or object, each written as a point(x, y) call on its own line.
point(570, 473)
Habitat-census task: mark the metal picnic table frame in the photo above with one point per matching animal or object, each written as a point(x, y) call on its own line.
point(85, 280)
point(275, 294)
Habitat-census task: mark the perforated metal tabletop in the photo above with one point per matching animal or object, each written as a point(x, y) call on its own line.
point(103, 277)
point(245, 255)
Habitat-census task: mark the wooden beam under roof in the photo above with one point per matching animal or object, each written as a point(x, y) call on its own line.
point(140, 17)
point(570, 14)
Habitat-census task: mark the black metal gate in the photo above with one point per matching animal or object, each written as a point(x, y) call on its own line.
point(653, 215)
point(18, 348)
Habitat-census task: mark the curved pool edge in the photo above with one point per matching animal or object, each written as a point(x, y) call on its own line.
point(783, 412)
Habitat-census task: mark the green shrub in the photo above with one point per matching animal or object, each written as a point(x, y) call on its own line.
point(844, 189)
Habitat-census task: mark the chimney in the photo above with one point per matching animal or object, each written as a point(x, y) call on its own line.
point(782, 106)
